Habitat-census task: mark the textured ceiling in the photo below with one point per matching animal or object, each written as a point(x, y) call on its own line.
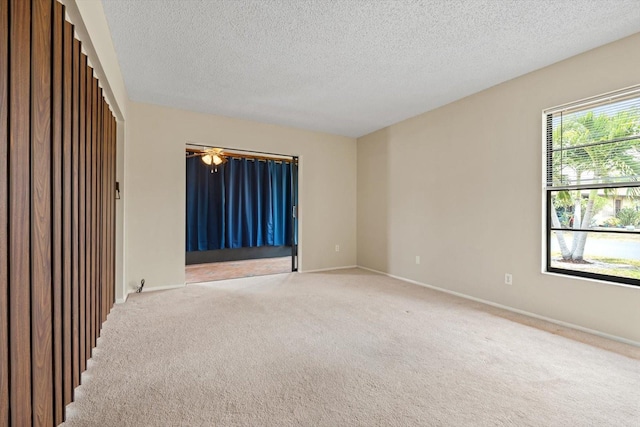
point(347, 67)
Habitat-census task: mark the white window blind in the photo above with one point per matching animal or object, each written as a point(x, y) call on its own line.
point(596, 144)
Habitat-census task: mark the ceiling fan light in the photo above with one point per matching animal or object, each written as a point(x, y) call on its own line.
point(207, 159)
point(216, 160)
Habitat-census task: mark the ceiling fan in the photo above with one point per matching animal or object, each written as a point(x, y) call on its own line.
point(211, 156)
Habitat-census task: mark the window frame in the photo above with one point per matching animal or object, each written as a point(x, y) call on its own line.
point(548, 190)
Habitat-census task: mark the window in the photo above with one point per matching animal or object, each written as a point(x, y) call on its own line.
point(593, 188)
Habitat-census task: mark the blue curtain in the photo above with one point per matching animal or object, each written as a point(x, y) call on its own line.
point(246, 203)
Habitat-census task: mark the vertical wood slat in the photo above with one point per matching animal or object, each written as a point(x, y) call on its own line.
point(106, 212)
point(112, 219)
point(82, 208)
point(4, 225)
point(103, 240)
point(96, 217)
point(57, 261)
point(111, 197)
point(107, 209)
point(41, 218)
point(108, 198)
point(94, 211)
point(67, 299)
point(88, 211)
point(98, 195)
point(75, 272)
point(103, 205)
point(112, 200)
point(100, 240)
point(19, 212)
point(114, 177)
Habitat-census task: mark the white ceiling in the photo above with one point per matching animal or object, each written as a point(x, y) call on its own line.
point(347, 67)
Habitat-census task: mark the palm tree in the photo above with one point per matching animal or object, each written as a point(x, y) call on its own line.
point(585, 160)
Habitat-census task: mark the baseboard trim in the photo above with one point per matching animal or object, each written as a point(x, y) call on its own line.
point(163, 288)
point(512, 309)
point(156, 288)
point(123, 299)
point(346, 267)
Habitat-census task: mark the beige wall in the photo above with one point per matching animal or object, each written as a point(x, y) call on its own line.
point(461, 186)
point(471, 220)
point(155, 172)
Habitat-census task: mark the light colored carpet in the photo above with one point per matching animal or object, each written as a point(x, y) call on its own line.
point(346, 348)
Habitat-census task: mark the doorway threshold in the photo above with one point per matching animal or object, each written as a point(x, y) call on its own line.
point(198, 273)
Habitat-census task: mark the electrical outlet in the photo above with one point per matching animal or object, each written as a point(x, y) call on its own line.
point(508, 279)
point(337, 248)
point(417, 259)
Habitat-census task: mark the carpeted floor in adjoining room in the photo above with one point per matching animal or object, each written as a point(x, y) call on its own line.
point(346, 348)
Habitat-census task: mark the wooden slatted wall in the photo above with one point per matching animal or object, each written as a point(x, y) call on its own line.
point(57, 212)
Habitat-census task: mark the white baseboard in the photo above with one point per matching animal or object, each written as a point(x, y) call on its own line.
point(329, 269)
point(155, 288)
point(123, 299)
point(512, 309)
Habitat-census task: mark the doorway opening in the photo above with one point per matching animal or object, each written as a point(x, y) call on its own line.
point(241, 213)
